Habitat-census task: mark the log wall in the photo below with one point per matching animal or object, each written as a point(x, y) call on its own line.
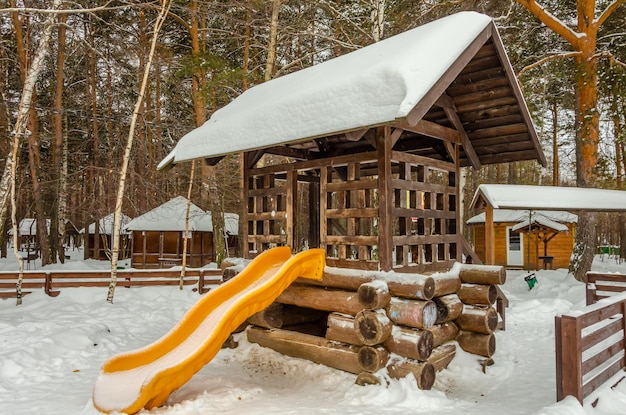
point(362, 322)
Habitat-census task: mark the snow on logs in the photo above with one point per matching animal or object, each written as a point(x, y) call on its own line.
point(363, 321)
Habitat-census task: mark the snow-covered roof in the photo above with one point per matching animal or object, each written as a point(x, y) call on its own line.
point(519, 216)
point(505, 196)
point(378, 84)
point(28, 227)
point(106, 225)
point(540, 220)
point(170, 216)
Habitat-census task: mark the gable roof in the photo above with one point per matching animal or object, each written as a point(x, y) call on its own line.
point(520, 216)
point(106, 225)
point(509, 196)
point(170, 216)
point(543, 223)
point(410, 81)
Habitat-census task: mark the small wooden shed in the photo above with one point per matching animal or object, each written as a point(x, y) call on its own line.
point(547, 243)
point(492, 197)
point(98, 244)
point(157, 236)
point(372, 143)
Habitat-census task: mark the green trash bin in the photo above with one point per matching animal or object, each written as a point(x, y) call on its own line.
point(531, 280)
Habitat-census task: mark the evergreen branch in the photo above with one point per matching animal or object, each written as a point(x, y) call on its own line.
point(553, 22)
point(608, 11)
point(612, 59)
point(541, 61)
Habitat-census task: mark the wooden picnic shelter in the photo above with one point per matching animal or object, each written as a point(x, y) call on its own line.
point(533, 198)
point(373, 142)
point(157, 236)
point(99, 240)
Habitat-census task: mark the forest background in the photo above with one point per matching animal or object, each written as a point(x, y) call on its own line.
point(569, 57)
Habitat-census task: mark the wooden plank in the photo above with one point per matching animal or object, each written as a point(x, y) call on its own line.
point(499, 131)
point(423, 161)
point(603, 356)
point(352, 185)
point(352, 213)
point(479, 96)
point(482, 85)
point(489, 237)
point(602, 377)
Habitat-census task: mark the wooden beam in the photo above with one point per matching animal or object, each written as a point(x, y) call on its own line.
point(355, 135)
point(430, 129)
point(448, 106)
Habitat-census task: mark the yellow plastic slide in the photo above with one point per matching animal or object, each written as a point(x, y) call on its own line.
point(144, 378)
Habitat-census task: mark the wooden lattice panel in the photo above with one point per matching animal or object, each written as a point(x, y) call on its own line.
point(424, 214)
point(267, 212)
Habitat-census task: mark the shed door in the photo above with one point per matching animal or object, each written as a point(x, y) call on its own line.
point(514, 248)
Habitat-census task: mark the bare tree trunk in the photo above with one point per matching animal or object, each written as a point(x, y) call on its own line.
point(185, 236)
point(378, 19)
point(270, 63)
point(19, 130)
point(165, 6)
point(57, 223)
point(556, 179)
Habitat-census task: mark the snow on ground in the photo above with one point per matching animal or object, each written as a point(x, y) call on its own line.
point(51, 350)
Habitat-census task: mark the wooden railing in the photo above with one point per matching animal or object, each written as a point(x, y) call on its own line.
point(52, 281)
point(603, 285)
point(590, 347)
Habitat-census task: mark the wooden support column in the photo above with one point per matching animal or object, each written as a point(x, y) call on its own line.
point(385, 245)
point(291, 208)
point(243, 222)
point(489, 236)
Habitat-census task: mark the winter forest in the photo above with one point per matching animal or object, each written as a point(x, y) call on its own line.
point(73, 95)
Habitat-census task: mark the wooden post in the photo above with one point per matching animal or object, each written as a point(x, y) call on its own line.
point(385, 225)
point(243, 222)
point(490, 237)
point(569, 374)
point(291, 208)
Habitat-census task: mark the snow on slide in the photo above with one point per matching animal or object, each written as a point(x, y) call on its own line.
point(144, 378)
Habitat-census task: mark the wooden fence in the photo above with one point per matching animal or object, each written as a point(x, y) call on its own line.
point(590, 345)
point(603, 285)
point(52, 281)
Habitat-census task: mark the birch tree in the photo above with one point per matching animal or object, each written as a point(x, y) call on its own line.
point(165, 7)
point(20, 130)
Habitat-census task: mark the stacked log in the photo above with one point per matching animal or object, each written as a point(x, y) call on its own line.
point(479, 318)
point(368, 321)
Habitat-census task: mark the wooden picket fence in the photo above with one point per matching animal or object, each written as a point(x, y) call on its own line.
point(52, 281)
point(590, 344)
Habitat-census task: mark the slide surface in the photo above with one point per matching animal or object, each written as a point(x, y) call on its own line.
point(144, 378)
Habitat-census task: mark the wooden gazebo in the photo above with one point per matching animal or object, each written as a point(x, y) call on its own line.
point(158, 235)
point(375, 140)
point(98, 242)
